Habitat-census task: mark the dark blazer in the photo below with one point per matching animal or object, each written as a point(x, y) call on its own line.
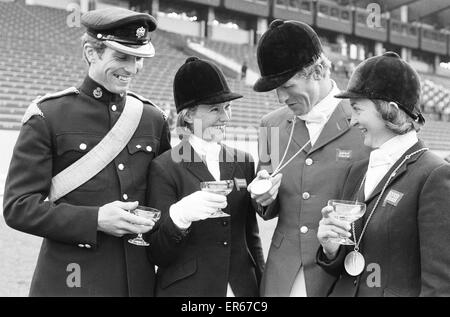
point(69, 127)
point(214, 251)
point(314, 176)
point(407, 239)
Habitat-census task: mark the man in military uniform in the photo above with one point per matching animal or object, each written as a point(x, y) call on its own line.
point(313, 128)
point(85, 251)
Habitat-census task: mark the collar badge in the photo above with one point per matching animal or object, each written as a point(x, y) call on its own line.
point(98, 93)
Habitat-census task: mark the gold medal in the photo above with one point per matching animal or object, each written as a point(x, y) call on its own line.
point(261, 186)
point(354, 263)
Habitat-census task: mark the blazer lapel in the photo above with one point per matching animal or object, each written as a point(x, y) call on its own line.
point(335, 126)
point(419, 145)
point(300, 135)
point(227, 163)
point(193, 163)
point(360, 191)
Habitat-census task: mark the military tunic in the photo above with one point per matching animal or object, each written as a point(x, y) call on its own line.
point(66, 128)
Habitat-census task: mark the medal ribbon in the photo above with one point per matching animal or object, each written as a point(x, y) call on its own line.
point(281, 165)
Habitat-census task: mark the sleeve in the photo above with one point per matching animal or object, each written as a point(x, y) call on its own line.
point(166, 239)
point(264, 146)
point(434, 233)
point(252, 231)
point(335, 266)
point(27, 187)
point(165, 138)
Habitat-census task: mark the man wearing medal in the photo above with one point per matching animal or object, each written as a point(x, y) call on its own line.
point(80, 166)
point(401, 243)
point(305, 150)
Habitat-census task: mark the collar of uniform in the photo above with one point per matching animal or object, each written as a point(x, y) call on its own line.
point(96, 91)
point(393, 149)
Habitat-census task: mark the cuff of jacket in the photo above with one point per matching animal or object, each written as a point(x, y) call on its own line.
point(333, 267)
point(84, 234)
point(176, 233)
point(270, 211)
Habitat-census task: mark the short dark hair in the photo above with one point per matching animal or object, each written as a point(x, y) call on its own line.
point(97, 45)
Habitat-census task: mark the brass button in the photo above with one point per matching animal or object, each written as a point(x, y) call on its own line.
point(149, 148)
point(81, 245)
point(83, 146)
point(306, 195)
point(113, 107)
point(304, 229)
point(138, 146)
point(121, 166)
point(88, 246)
point(308, 161)
point(225, 243)
point(125, 196)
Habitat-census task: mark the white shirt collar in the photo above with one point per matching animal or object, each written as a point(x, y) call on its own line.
point(208, 150)
point(325, 107)
point(329, 103)
point(393, 149)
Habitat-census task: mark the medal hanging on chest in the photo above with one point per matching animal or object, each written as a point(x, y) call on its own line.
point(354, 262)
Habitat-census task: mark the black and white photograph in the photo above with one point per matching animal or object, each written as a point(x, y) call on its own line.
point(225, 153)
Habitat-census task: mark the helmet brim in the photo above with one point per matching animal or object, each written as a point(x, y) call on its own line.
point(146, 50)
point(350, 95)
point(268, 83)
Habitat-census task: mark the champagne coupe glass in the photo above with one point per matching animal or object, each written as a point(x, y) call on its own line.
point(222, 187)
point(146, 212)
point(348, 211)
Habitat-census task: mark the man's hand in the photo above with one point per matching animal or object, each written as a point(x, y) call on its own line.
point(196, 206)
point(115, 219)
point(330, 227)
point(268, 197)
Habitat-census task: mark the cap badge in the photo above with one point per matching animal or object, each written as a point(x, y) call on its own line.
point(140, 32)
point(98, 93)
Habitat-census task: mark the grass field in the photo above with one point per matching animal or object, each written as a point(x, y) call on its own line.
point(19, 251)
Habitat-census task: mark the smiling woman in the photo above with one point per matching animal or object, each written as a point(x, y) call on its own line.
point(210, 120)
point(199, 250)
point(405, 187)
point(366, 117)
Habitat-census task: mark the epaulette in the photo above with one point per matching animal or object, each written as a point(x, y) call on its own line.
point(143, 99)
point(33, 109)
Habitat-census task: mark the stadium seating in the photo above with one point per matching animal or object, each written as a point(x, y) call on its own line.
point(41, 54)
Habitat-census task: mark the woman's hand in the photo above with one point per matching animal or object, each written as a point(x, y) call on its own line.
point(330, 227)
